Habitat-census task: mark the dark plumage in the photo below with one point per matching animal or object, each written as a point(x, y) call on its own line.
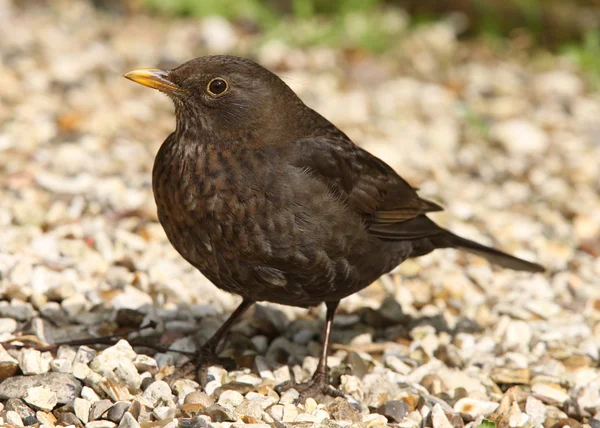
point(272, 202)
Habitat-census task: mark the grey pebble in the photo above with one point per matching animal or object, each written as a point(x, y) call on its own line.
point(220, 414)
point(394, 410)
point(17, 309)
point(117, 411)
point(69, 419)
point(84, 355)
point(99, 408)
point(195, 423)
point(64, 385)
point(17, 405)
point(128, 421)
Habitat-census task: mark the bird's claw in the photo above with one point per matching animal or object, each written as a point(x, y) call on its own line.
point(198, 368)
point(315, 387)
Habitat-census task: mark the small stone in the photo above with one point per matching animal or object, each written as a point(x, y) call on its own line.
point(163, 412)
point(288, 397)
point(144, 363)
point(396, 364)
point(474, 408)
point(114, 391)
point(32, 363)
point(433, 384)
point(128, 421)
point(562, 423)
point(520, 137)
point(89, 394)
point(557, 84)
point(220, 414)
point(80, 370)
point(100, 424)
point(116, 412)
point(68, 419)
point(158, 393)
point(211, 387)
point(378, 388)
point(199, 397)
point(282, 374)
point(99, 408)
point(252, 409)
point(17, 309)
point(310, 405)
point(61, 365)
point(8, 325)
point(116, 363)
point(181, 387)
point(84, 355)
point(341, 410)
point(305, 417)
point(75, 305)
point(438, 418)
point(550, 393)
point(230, 399)
point(371, 419)
point(517, 337)
point(252, 425)
point(45, 418)
point(24, 411)
point(82, 409)
point(290, 413)
point(8, 365)
point(41, 398)
point(503, 375)
point(516, 418)
point(13, 418)
point(536, 410)
point(276, 412)
point(394, 410)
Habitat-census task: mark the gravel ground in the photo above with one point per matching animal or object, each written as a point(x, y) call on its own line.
point(511, 148)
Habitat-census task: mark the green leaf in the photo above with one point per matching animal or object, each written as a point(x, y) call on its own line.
point(487, 424)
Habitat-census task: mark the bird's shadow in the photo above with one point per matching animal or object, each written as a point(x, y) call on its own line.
point(289, 342)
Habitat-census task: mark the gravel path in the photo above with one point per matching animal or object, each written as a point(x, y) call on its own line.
point(511, 148)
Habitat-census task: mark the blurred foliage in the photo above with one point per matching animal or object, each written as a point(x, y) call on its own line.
point(587, 54)
point(363, 24)
point(571, 27)
point(551, 23)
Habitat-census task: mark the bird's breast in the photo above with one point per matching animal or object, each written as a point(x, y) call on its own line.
point(208, 202)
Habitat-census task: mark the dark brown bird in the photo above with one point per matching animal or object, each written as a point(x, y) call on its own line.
point(270, 201)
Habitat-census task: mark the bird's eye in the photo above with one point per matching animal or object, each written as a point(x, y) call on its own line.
point(217, 87)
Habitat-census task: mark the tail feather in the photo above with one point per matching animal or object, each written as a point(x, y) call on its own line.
point(427, 236)
point(491, 254)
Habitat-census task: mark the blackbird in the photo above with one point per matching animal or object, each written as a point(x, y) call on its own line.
point(271, 201)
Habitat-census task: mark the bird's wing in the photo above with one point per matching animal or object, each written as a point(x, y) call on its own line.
point(390, 207)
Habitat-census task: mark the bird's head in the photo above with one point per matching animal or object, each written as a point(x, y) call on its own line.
point(227, 99)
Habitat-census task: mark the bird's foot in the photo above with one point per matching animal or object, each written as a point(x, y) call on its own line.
point(317, 386)
point(198, 368)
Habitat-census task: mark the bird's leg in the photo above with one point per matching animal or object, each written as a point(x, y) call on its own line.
point(319, 383)
point(211, 344)
point(207, 354)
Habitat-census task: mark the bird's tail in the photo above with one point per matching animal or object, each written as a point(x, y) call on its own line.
point(494, 256)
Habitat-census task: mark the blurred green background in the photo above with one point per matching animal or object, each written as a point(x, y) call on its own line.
point(568, 27)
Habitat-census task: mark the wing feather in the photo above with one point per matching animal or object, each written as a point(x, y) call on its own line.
point(368, 185)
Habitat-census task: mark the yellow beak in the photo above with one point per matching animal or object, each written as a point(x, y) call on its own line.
point(154, 78)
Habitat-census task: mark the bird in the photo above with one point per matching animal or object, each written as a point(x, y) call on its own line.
point(271, 201)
